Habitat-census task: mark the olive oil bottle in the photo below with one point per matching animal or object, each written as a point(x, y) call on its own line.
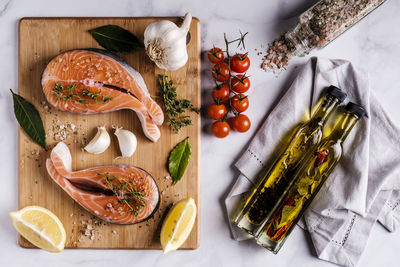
point(308, 180)
point(256, 210)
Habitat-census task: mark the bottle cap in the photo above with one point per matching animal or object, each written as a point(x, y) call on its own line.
point(358, 110)
point(336, 92)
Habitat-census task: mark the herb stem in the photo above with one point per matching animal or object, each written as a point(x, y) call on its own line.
point(227, 43)
point(229, 67)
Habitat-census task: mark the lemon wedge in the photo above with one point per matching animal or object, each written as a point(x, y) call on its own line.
point(178, 224)
point(41, 227)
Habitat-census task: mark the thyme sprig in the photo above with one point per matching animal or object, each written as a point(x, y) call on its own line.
point(126, 192)
point(174, 107)
point(69, 94)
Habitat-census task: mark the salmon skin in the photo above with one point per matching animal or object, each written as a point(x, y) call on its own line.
point(116, 194)
point(90, 81)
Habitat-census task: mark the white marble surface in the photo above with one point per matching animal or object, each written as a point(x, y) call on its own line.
point(374, 44)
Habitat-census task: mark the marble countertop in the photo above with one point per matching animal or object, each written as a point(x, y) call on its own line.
point(373, 44)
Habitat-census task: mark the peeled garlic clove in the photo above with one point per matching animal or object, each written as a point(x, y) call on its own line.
point(127, 142)
point(100, 141)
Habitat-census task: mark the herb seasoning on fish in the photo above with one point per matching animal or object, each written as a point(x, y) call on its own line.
point(101, 71)
point(132, 191)
point(126, 193)
point(69, 93)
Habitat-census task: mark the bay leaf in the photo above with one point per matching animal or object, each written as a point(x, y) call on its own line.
point(29, 119)
point(116, 39)
point(179, 159)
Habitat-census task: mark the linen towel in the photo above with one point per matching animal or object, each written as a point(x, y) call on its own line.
point(365, 185)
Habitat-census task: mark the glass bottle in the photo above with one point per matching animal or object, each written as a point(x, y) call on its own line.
point(325, 21)
point(308, 180)
point(255, 211)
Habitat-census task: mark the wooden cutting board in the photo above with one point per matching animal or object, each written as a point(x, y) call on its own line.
point(40, 39)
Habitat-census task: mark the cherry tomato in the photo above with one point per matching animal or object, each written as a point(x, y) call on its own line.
point(221, 93)
point(220, 72)
point(216, 112)
point(240, 83)
point(240, 63)
point(241, 123)
point(240, 102)
point(215, 55)
point(220, 129)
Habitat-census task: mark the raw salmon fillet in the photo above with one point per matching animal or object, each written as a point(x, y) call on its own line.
point(117, 194)
point(95, 81)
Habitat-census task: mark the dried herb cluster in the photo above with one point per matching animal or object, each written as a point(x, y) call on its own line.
point(126, 192)
point(174, 107)
point(69, 94)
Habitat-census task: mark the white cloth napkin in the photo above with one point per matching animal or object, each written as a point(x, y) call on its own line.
point(365, 185)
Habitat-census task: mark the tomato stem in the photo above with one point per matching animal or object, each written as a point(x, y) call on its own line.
point(240, 41)
point(229, 68)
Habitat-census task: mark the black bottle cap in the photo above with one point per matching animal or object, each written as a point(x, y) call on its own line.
point(358, 110)
point(336, 92)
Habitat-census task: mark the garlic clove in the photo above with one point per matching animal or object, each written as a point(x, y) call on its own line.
point(127, 142)
point(100, 142)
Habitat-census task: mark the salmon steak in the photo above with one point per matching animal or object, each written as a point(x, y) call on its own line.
point(91, 81)
point(116, 194)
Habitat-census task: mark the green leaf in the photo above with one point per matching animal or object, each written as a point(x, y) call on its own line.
point(116, 39)
point(29, 119)
point(179, 159)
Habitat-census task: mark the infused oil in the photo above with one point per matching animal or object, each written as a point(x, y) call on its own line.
point(258, 207)
point(308, 180)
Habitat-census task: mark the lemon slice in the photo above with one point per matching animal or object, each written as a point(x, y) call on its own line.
point(41, 227)
point(178, 224)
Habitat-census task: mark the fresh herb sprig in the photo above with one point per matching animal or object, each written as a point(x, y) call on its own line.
point(69, 94)
point(126, 192)
point(174, 107)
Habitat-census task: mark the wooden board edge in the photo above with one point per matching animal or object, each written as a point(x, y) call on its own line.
point(197, 245)
point(21, 242)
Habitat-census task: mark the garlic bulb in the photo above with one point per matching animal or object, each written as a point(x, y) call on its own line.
point(127, 142)
point(100, 141)
point(165, 43)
